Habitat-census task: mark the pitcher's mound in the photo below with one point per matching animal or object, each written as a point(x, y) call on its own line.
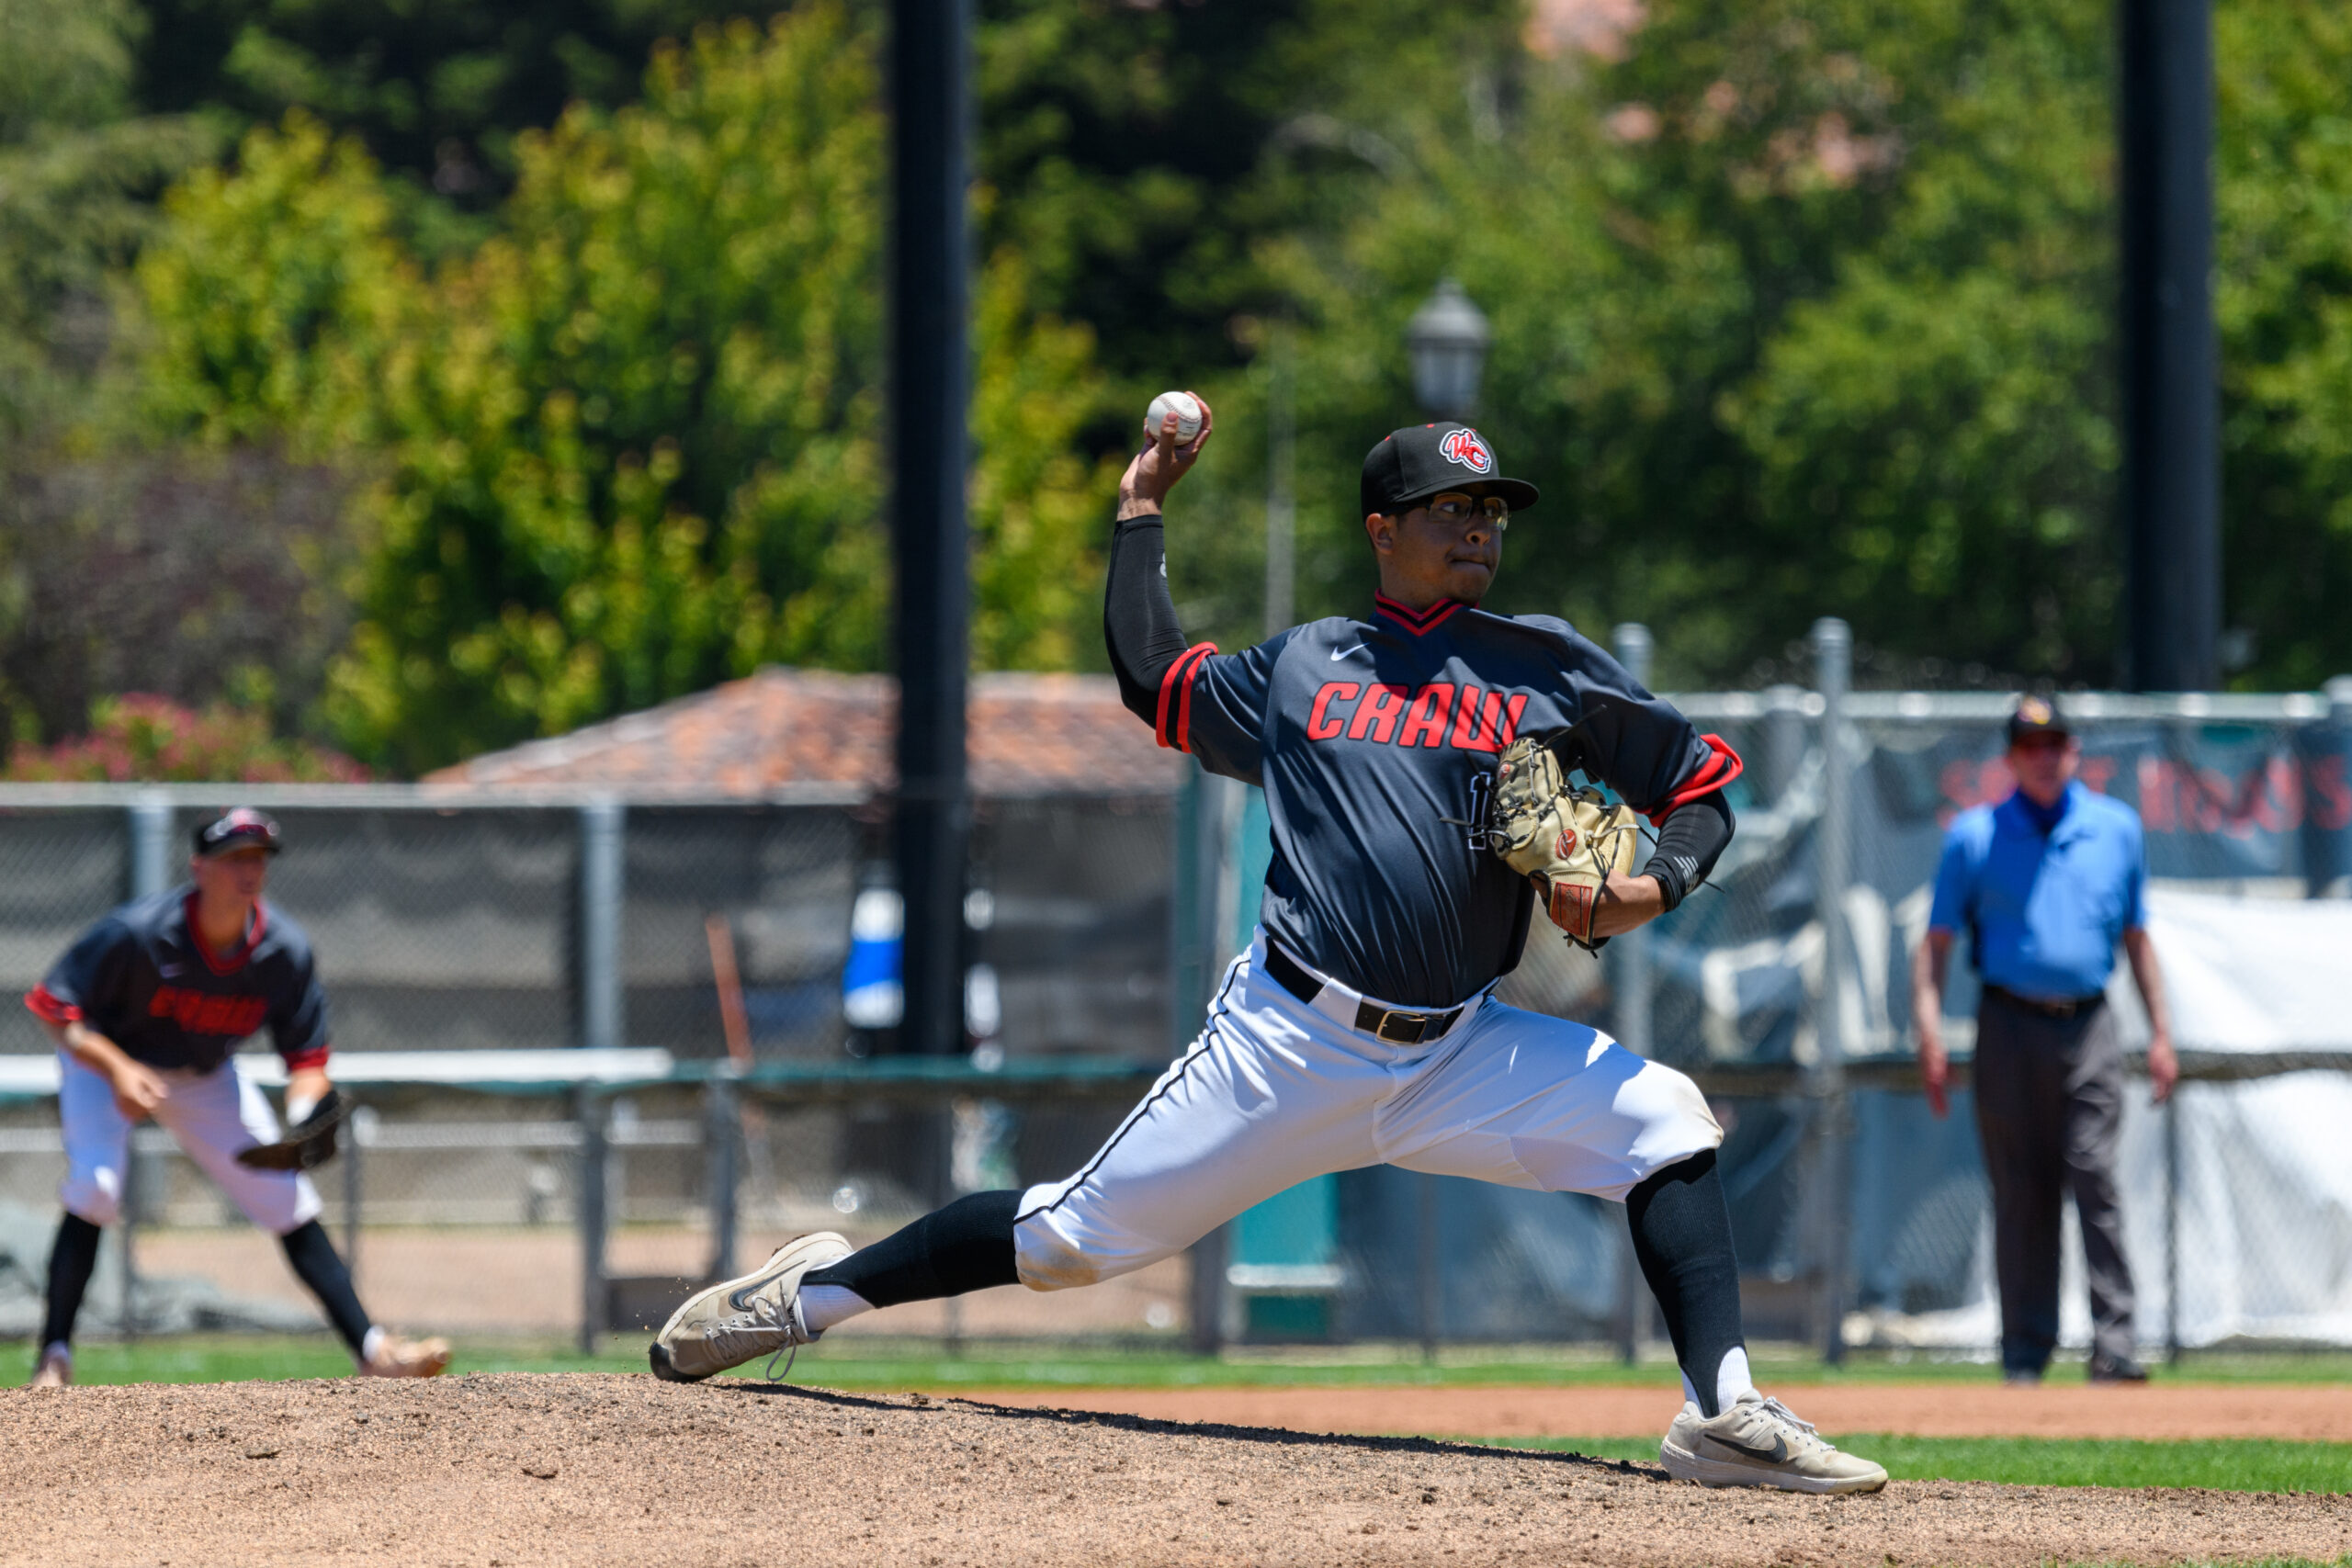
point(520, 1470)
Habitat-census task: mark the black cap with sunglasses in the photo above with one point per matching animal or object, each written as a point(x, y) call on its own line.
point(2036, 716)
point(1409, 466)
point(239, 827)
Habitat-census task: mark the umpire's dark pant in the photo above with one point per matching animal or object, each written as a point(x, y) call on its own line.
point(2049, 1108)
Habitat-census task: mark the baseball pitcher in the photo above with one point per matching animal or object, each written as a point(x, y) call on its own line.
point(1415, 767)
point(146, 1008)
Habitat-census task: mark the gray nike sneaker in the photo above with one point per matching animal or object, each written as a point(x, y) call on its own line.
point(743, 1319)
point(1758, 1442)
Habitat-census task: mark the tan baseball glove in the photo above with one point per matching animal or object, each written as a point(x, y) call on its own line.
point(1565, 841)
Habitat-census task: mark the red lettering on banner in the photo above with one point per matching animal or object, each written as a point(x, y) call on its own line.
point(1510, 717)
point(1342, 691)
point(2098, 772)
point(1425, 724)
point(2279, 798)
point(2331, 795)
point(2208, 801)
point(2156, 795)
point(1377, 716)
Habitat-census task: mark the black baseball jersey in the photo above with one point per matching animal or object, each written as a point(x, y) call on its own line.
point(141, 979)
point(1368, 735)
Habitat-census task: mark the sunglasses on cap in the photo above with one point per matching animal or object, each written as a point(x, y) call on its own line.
point(239, 829)
point(1457, 509)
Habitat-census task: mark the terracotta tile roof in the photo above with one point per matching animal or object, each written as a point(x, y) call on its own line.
point(781, 727)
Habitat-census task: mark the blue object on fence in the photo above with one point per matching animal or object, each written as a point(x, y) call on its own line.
point(873, 996)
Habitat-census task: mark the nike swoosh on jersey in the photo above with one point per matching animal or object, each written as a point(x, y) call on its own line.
point(1338, 654)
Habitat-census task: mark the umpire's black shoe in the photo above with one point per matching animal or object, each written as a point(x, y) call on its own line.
point(2117, 1369)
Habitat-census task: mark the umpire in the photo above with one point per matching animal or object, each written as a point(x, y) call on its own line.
point(2046, 883)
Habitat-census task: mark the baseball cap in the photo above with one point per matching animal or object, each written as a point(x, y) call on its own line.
point(1420, 460)
point(2036, 715)
point(239, 827)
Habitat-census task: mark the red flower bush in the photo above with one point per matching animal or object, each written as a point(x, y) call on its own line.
point(138, 737)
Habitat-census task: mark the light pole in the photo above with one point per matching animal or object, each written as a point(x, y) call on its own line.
point(1447, 339)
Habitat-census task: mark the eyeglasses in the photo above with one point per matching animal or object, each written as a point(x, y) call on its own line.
point(1457, 509)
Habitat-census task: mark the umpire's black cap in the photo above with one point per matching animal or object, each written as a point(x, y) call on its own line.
point(2036, 715)
point(239, 827)
point(1422, 460)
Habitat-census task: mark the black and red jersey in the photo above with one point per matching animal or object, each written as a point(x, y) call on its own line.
point(1368, 736)
point(142, 979)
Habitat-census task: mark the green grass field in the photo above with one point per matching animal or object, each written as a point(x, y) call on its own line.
point(881, 1364)
point(2232, 1464)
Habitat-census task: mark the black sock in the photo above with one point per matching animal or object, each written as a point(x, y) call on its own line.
point(71, 1259)
point(321, 1268)
point(966, 1245)
point(1683, 1235)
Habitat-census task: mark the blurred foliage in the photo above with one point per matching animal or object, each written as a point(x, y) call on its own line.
point(1800, 307)
point(79, 168)
point(1805, 307)
point(203, 576)
point(629, 446)
point(139, 736)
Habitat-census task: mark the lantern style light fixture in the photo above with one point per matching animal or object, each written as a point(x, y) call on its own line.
point(1447, 339)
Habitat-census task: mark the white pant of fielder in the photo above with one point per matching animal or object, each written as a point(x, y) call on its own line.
point(213, 1116)
point(1277, 1090)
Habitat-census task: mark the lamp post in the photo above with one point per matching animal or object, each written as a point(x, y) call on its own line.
point(1447, 338)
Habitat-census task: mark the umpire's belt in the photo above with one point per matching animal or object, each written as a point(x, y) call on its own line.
point(1394, 1025)
point(2071, 1007)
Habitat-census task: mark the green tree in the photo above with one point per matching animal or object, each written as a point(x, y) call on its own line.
point(630, 444)
point(78, 170)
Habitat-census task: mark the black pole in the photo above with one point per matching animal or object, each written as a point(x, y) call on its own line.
point(929, 285)
point(2172, 465)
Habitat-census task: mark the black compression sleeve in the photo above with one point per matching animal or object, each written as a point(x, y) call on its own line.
point(1138, 616)
point(1690, 844)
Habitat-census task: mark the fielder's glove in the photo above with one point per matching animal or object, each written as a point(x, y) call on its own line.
point(1565, 841)
point(310, 1142)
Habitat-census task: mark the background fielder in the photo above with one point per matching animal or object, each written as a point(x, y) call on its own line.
point(1360, 1027)
point(147, 1007)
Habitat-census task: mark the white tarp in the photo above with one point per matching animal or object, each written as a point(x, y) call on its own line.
point(2265, 1209)
point(2250, 974)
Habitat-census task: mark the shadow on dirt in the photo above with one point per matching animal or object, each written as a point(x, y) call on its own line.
point(1276, 1437)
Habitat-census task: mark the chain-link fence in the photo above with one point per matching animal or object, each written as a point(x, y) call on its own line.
point(653, 943)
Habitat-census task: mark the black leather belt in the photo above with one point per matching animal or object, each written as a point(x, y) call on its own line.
point(1392, 1024)
point(2072, 1007)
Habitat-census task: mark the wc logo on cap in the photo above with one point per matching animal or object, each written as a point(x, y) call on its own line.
point(1468, 448)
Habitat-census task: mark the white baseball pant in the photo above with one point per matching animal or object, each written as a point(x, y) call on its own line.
point(1277, 1090)
point(213, 1116)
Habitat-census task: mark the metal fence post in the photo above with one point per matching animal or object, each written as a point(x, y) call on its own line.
point(363, 1122)
point(2171, 1225)
point(1833, 650)
point(1784, 740)
point(599, 981)
point(723, 1139)
point(600, 924)
point(595, 1195)
point(1632, 989)
point(1431, 1282)
point(150, 872)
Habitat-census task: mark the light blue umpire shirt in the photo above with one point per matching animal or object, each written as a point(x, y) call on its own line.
point(2044, 896)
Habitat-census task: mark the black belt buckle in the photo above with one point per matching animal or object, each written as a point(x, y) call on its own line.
point(1380, 1020)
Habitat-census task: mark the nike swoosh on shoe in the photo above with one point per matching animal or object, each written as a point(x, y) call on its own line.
point(1776, 1454)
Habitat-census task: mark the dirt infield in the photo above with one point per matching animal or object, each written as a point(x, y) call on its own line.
point(512, 1470)
point(2320, 1413)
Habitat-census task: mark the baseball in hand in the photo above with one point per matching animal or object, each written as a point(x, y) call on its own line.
point(1187, 410)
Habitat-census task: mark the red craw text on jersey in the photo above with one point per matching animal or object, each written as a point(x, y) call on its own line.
point(199, 1012)
point(1467, 718)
